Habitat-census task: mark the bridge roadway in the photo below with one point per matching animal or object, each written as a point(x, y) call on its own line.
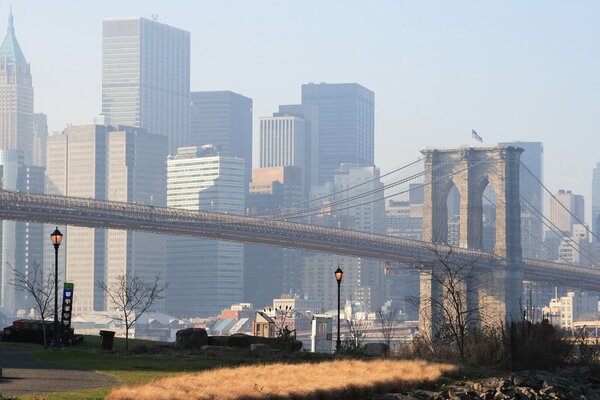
point(143, 218)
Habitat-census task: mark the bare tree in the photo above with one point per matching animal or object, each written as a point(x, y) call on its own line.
point(358, 331)
point(453, 308)
point(131, 296)
point(387, 325)
point(39, 288)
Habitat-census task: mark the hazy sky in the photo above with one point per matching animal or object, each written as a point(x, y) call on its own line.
point(511, 70)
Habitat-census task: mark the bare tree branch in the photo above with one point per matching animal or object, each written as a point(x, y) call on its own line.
point(130, 296)
point(388, 324)
point(39, 288)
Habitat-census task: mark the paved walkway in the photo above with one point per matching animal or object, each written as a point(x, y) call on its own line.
point(22, 374)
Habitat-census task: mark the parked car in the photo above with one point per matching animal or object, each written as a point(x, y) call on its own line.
point(31, 331)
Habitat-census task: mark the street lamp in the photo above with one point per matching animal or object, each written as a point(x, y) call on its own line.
point(338, 277)
point(56, 237)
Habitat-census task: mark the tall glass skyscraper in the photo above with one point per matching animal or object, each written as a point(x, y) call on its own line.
point(146, 77)
point(346, 125)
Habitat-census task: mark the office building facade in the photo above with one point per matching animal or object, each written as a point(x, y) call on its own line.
point(107, 163)
point(223, 119)
point(310, 115)
point(205, 276)
point(566, 210)
point(283, 144)
point(346, 125)
point(22, 243)
point(146, 77)
point(596, 202)
point(271, 271)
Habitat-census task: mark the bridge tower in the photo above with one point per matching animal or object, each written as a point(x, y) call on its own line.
point(471, 170)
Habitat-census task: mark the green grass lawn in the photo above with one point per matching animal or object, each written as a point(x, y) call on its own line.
point(128, 369)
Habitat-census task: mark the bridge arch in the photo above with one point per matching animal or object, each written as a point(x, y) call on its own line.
point(473, 170)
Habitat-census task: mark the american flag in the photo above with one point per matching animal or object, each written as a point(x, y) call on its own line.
point(475, 136)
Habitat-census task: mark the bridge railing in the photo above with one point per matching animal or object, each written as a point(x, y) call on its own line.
point(140, 213)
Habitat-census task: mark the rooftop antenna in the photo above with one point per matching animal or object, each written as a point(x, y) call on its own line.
point(154, 17)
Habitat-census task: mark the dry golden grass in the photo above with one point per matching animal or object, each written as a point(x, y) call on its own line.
point(325, 380)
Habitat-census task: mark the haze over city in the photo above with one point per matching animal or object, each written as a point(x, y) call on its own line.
point(511, 71)
point(301, 199)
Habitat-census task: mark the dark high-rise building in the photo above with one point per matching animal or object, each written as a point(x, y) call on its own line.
point(346, 125)
point(223, 119)
point(146, 77)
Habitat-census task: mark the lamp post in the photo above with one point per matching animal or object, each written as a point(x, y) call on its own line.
point(338, 277)
point(56, 237)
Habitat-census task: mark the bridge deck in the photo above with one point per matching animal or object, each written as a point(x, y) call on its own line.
point(136, 217)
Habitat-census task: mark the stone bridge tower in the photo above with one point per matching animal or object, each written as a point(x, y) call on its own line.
point(496, 290)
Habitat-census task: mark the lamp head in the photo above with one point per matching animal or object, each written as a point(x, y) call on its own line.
point(56, 237)
point(339, 274)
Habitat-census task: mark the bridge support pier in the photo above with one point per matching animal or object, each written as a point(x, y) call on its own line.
point(492, 292)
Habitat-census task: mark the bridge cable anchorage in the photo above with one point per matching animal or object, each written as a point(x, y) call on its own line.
point(332, 205)
point(411, 163)
point(592, 234)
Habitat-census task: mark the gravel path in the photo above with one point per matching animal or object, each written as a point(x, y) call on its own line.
point(22, 374)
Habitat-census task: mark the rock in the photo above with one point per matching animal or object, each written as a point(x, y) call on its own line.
point(487, 396)
point(242, 340)
point(546, 389)
point(519, 381)
point(376, 349)
point(191, 338)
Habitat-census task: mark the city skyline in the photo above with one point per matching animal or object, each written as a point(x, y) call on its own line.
point(441, 77)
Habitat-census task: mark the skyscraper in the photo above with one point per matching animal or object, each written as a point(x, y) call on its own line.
point(146, 77)
point(271, 271)
point(40, 138)
point(310, 115)
point(21, 243)
point(346, 125)
point(107, 163)
point(564, 219)
point(205, 276)
point(16, 96)
point(596, 202)
point(283, 144)
point(223, 119)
